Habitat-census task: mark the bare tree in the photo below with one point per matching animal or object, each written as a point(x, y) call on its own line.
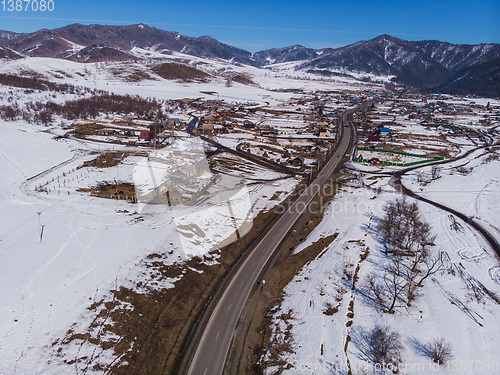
point(377, 290)
point(435, 172)
point(420, 178)
point(392, 289)
point(398, 225)
point(384, 346)
point(395, 283)
point(402, 228)
point(418, 268)
point(9, 112)
point(439, 350)
point(429, 266)
point(408, 241)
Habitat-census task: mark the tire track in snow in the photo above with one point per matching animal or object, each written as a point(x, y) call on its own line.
point(397, 182)
point(487, 236)
point(454, 300)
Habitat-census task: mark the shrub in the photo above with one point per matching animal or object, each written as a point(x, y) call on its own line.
point(384, 345)
point(439, 351)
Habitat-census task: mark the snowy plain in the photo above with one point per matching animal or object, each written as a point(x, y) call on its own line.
point(90, 245)
point(318, 339)
point(323, 342)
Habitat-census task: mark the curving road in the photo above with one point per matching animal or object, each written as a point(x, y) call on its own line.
point(212, 348)
point(398, 183)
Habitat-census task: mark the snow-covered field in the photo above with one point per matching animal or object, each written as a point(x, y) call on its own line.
point(101, 76)
point(470, 186)
point(92, 245)
point(89, 246)
point(325, 320)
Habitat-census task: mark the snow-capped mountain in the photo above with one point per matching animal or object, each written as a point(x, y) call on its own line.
point(481, 79)
point(423, 64)
point(287, 54)
point(67, 42)
point(7, 35)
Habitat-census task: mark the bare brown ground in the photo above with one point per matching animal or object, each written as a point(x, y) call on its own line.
point(180, 72)
point(112, 191)
point(152, 326)
point(430, 150)
point(109, 159)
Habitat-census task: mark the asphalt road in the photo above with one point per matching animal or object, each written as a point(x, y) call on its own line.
point(210, 355)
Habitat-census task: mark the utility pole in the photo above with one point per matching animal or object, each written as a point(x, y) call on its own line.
point(40, 225)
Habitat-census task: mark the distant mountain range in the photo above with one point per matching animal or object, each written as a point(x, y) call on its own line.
point(422, 64)
point(480, 79)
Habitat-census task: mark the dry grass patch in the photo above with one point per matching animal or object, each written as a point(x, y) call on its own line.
point(180, 72)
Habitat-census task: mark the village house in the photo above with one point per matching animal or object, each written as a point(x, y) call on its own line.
point(323, 133)
point(209, 119)
point(106, 132)
point(174, 197)
point(248, 125)
point(297, 161)
point(156, 128)
point(207, 128)
point(146, 135)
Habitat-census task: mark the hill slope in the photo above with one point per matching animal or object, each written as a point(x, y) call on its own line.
point(421, 64)
point(67, 41)
point(480, 79)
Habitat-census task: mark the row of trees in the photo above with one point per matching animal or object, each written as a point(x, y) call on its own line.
point(13, 112)
point(35, 83)
point(410, 261)
point(88, 108)
point(408, 240)
point(383, 346)
point(91, 107)
point(91, 103)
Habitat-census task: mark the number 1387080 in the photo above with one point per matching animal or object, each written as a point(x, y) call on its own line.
point(27, 5)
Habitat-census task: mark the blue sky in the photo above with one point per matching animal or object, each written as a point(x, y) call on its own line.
point(259, 25)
